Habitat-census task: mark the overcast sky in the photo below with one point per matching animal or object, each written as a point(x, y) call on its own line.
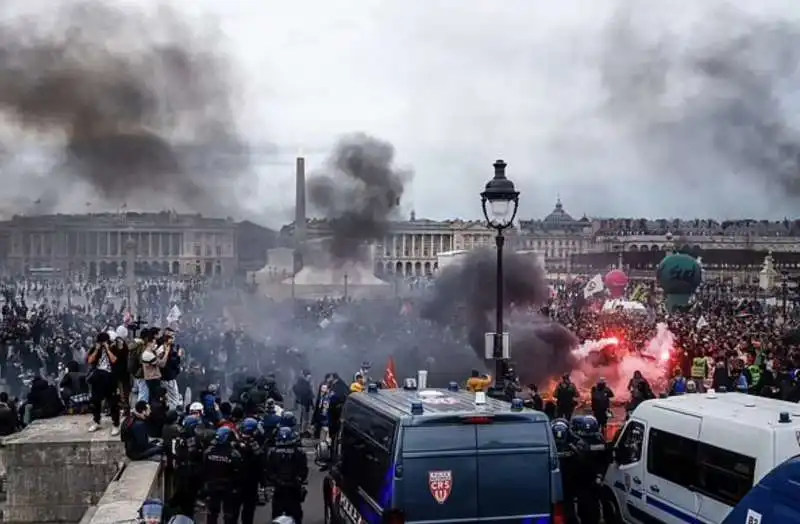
point(553, 88)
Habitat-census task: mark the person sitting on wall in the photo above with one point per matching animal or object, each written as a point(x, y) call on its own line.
point(135, 436)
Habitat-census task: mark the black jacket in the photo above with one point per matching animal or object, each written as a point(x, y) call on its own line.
point(303, 393)
point(172, 368)
point(135, 437)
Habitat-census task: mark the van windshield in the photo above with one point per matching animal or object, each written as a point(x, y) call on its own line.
point(464, 436)
point(439, 438)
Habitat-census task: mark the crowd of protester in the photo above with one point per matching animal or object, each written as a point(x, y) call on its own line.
point(216, 355)
point(52, 333)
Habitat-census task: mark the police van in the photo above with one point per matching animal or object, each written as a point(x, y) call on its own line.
point(692, 458)
point(432, 456)
point(773, 500)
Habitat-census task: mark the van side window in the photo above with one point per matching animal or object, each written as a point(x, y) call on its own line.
point(672, 457)
point(723, 475)
point(366, 451)
point(631, 440)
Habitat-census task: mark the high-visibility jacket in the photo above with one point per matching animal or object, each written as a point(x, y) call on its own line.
point(479, 384)
point(699, 368)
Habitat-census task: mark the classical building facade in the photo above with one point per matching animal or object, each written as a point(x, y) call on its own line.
point(414, 245)
point(567, 244)
point(165, 243)
point(557, 237)
point(642, 234)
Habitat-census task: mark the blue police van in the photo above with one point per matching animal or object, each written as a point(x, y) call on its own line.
point(435, 456)
point(774, 500)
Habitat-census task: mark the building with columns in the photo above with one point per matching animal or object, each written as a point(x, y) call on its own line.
point(557, 237)
point(412, 246)
point(165, 243)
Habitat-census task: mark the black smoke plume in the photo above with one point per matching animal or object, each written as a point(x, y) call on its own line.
point(139, 103)
point(359, 192)
point(712, 104)
point(464, 293)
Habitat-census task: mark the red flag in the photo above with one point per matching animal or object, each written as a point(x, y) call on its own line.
point(389, 379)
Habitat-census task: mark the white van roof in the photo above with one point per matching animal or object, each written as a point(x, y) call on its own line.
point(733, 408)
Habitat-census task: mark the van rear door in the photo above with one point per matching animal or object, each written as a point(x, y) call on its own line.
point(514, 482)
point(439, 479)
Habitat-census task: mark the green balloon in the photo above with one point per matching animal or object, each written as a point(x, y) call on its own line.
point(679, 275)
point(676, 301)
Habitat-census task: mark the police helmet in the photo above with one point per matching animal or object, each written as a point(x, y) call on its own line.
point(223, 435)
point(288, 420)
point(283, 519)
point(196, 408)
point(150, 511)
point(286, 436)
point(585, 425)
point(191, 422)
point(180, 519)
point(560, 429)
point(249, 426)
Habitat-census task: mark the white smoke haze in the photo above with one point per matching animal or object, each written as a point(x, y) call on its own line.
point(652, 363)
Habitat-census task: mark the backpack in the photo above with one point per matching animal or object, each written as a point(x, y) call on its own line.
point(125, 428)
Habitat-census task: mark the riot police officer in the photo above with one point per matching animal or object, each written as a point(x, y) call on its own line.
point(222, 465)
point(288, 420)
point(188, 457)
point(253, 467)
point(287, 471)
point(271, 421)
point(568, 447)
point(591, 463)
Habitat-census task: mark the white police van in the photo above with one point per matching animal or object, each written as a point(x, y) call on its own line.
point(692, 458)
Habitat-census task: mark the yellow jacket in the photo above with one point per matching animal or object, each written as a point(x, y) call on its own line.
point(479, 384)
point(356, 387)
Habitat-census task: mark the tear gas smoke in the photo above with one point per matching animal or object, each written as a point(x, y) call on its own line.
point(652, 362)
point(717, 101)
point(358, 331)
point(464, 293)
point(139, 103)
point(359, 191)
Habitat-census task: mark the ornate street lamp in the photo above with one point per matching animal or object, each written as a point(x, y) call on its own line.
point(500, 200)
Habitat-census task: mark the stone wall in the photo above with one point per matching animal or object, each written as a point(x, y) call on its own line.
point(124, 496)
point(56, 470)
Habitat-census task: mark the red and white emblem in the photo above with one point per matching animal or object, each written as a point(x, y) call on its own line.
point(441, 484)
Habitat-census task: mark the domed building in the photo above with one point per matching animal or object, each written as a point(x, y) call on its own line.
point(556, 237)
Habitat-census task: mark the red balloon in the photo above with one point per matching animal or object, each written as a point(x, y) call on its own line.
point(616, 280)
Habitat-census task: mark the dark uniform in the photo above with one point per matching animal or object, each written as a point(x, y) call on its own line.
point(222, 466)
point(287, 471)
point(590, 461)
point(253, 467)
point(187, 451)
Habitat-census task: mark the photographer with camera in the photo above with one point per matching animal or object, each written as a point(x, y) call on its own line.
point(102, 382)
point(171, 369)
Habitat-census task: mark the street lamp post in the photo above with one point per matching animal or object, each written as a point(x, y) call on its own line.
point(500, 200)
point(785, 293)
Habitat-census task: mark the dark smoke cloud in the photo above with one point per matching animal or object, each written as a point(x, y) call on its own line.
point(141, 102)
point(359, 193)
point(714, 104)
point(464, 293)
